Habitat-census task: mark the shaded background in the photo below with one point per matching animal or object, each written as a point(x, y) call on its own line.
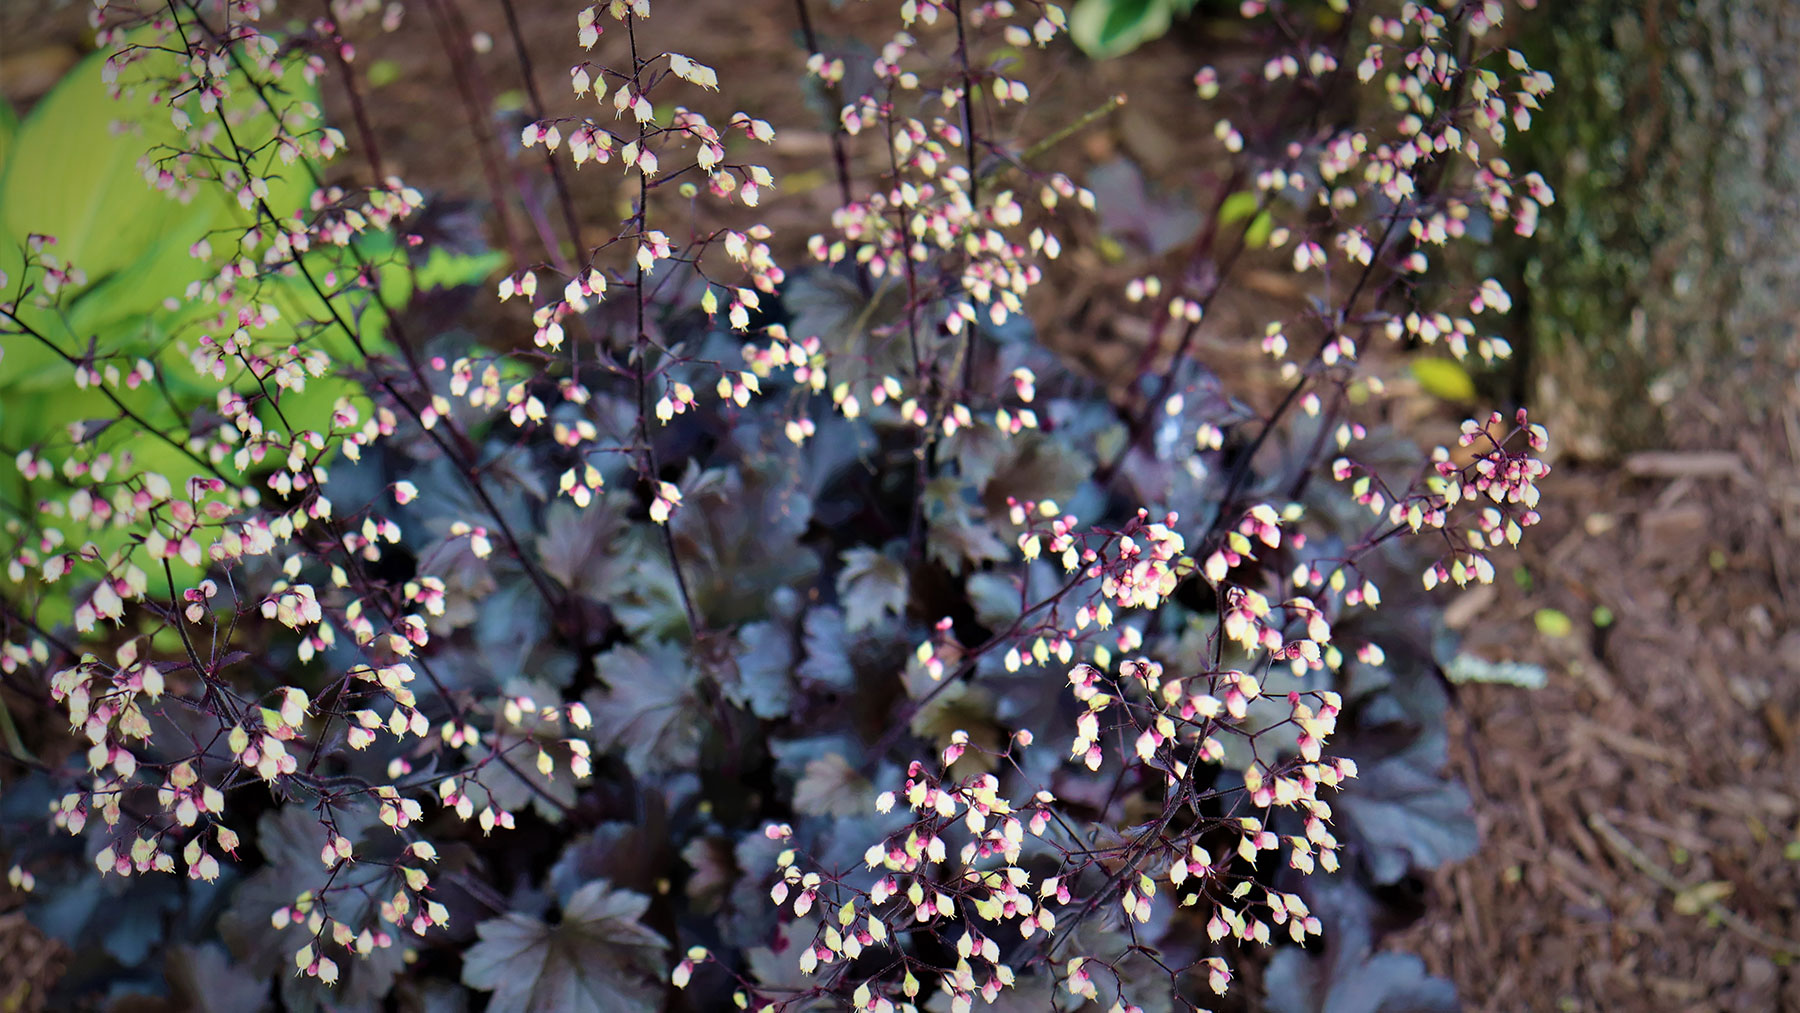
point(1638, 811)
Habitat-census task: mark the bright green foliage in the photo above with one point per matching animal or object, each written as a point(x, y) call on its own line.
point(1109, 28)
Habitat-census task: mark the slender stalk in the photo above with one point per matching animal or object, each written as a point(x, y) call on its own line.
point(571, 220)
point(839, 155)
point(641, 344)
point(968, 101)
point(466, 74)
point(123, 409)
point(358, 112)
point(467, 459)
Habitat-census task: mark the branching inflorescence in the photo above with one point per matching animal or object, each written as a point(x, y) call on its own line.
point(228, 633)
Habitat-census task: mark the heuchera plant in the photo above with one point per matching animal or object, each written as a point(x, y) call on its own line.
point(799, 635)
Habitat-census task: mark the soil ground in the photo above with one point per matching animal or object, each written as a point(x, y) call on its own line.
point(1638, 812)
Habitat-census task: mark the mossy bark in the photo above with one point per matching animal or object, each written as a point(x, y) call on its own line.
point(1666, 280)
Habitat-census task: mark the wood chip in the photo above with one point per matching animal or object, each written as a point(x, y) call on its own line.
point(1688, 464)
point(1534, 813)
point(1626, 744)
point(1465, 608)
point(1781, 728)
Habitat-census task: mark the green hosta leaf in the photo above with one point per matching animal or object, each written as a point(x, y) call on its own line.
point(446, 269)
point(1108, 28)
point(9, 128)
point(69, 174)
point(597, 959)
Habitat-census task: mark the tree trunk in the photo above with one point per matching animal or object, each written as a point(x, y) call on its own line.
point(1665, 287)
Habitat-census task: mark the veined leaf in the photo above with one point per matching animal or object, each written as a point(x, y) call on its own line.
point(650, 709)
point(871, 586)
point(597, 959)
point(1349, 974)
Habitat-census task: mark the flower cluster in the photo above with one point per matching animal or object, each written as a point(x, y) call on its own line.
point(1137, 712)
point(706, 550)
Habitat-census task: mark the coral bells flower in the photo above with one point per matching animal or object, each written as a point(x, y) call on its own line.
point(668, 499)
point(730, 629)
point(1501, 475)
point(1499, 488)
point(1144, 574)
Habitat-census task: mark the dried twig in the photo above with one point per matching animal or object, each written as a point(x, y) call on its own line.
point(1662, 877)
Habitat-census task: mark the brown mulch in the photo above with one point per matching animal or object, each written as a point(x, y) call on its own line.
point(30, 963)
point(1635, 811)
